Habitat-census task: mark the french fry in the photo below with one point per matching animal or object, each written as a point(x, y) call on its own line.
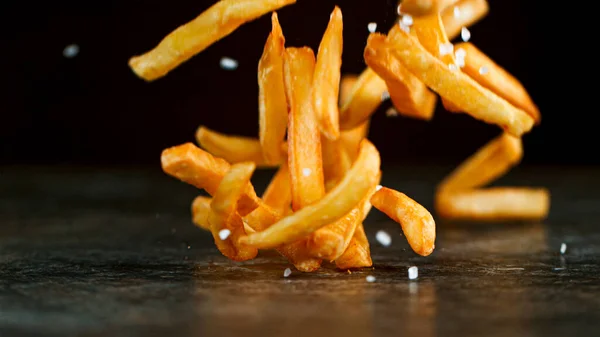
point(215, 23)
point(425, 7)
point(416, 221)
point(497, 80)
point(410, 96)
point(223, 213)
point(363, 101)
point(351, 139)
point(346, 86)
point(336, 161)
point(273, 109)
point(469, 12)
point(278, 194)
point(199, 168)
point(326, 81)
point(489, 163)
point(334, 205)
point(472, 98)
point(494, 204)
point(200, 210)
point(358, 254)
point(234, 149)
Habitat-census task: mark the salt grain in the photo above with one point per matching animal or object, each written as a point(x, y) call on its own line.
point(465, 34)
point(404, 27)
point(383, 238)
point(460, 53)
point(446, 48)
point(378, 187)
point(407, 20)
point(228, 63)
point(372, 27)
point(71, 51)
point(563, 248)
point(453, 67)
point(483, 70)
point(224, 234)
point(413, 273)
point(306, 171)
point(370, 278)
point(287, 272)
point(391, 112)
point(456, 12)
point(385, 96)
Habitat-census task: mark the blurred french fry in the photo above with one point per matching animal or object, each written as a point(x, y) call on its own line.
point(363, 101)
point(273, 109)
point(346, 86)
point(416, 221)
point(336, 161)
point(326, 82)
point(200, 210)
point(199, 168)
point(424, 7)
point(489, 163)
point(234, 149)
point(223, 215)
point(335, 204)
point(410, 96)
point(278, 194)
point(469, 12)
point(472, 98)
point(351, 139)
point(494, 204)
point(358, 253)
point(218, 21)
point(497, 80)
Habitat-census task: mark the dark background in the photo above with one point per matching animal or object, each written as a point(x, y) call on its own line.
point(92, 110)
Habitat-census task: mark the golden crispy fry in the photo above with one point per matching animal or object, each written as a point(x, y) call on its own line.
point(416, 221)
point(193, 37)
point(488, 164)
point(334, 205)
point(425, 7)
point(469, 12)
point(363, 101)
point(410, 96)
point(336, 161)
point(199, 168)
point(304, 140)
point(358, 254)
point(278, 194)
point(223, 213)
point(234, 149)
point(494, 204)
point(346, 85)
point(200, 210)
point(352, 138)
point(497, 80)
point(472, 98)
point(431, 34)
point(271, 95)
point(326, 82)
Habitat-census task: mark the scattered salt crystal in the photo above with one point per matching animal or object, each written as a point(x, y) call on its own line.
point(378, 187)
point(189, 247)
point(370, 278)
point(306, 171)
point(372, 27)
point(71, 51)
point(456, 12)
point(465, 34)
point(563, 248)
point(383, 238)
point(287, 272)
point(446, 48)
point(224, 234)
point(385, 96)
point(483, 70)
point(453, 67)
point(407, 19)
point(460, 62)
point(404, 27)
point(228, 63)
point(460, 53)
point(391, 112)
point(413, 272)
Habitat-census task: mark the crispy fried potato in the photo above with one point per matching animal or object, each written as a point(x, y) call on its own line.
point(200, 210)
point(489, 163)
point(472, 98)
point(351, 138)
point(335, 204)
point(234, 149)
point(326, 81)
point(215, 23)
point(410, 96)
point(272, 105)
point(498, 80)
point(346, 85)
point(199, 168)
point(363, 101)
point(425, 7)
point(416, 221)
point(336, 161)
point(469, 12)
point(494, 204)
point(358, 253)
point(223, 213)
point(278, 194)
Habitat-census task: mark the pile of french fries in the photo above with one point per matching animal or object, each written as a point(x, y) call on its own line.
point(313, 129)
